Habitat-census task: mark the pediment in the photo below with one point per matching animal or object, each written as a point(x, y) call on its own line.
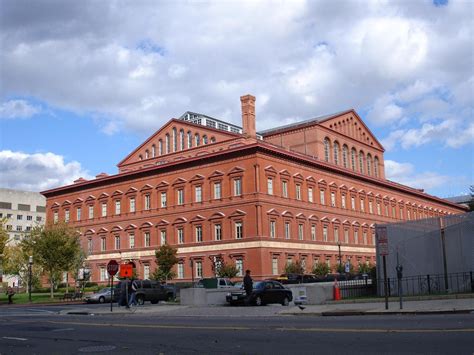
point(298, 176)
point(333, 185)
point(313, 217)
point(103, 196)
point(325, 219)
point(162, 223)
point(66, 203)
point(117, 193)
point(335, 220)
point(116, 229)
point(102, 230)
point(198, 218)
point(273, 212)
point(180, 220)
point(90, 198)
point(162, 185)
point(311, 179)
point(131, 227)
point(216, 174)
point(131, 191)
point(236, 170)
point(89, 232)
point(322, 182)
point(237, 213)
point(346, 222)
point(270, 170)
point(179, 181)
point(78, 201)
point(146, 225)
point(197, 177)
point(217, 215)
point(285, 173)
point(343, 187)
point(146, 187)
point(287, 214)
point(300, 216)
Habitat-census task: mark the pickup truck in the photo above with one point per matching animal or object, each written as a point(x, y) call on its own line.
point(215, 282)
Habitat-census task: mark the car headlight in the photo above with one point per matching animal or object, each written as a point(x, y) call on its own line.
point(229, 294)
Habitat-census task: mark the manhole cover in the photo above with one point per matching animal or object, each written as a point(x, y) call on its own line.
point(98, 348)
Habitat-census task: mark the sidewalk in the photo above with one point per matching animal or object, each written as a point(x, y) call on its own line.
point(465, 305)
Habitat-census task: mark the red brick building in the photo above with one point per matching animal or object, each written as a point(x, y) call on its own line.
point(258, 200)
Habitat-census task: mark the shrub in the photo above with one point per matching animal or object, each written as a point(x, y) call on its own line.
point(321, 269)
point(295, 267)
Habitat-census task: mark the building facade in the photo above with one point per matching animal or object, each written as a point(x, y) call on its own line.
point(257, 200)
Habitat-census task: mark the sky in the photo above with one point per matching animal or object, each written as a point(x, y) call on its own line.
point(83, 83)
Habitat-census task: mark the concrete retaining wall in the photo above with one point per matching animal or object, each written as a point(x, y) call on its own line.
point(202, 296)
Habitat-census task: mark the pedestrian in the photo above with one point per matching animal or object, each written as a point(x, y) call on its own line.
point(133, 292)
point(248, 285)
point(10, 293)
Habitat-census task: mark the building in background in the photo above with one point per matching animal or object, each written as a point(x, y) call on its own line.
point(22, 210)
point(311, 191)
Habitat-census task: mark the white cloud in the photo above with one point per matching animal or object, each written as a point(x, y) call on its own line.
point(18, 109)
point(404, 173)
point(37, 172)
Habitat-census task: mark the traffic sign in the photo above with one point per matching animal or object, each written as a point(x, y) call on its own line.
point(347, 267)
point(126, 270)
point(112, 267)
point(382, 240)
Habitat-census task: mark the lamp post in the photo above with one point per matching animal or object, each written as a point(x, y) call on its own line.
point(191, 263)
point(340, 258)
point(30, 276)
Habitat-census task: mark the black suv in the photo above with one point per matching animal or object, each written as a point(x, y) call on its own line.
point(148, 290)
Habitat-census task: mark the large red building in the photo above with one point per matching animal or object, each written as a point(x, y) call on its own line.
point(259, 200)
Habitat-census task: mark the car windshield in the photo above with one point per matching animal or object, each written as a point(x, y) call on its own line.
point(104, 290)
point(259, 285)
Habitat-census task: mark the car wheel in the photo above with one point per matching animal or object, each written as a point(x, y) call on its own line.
point(141, 300)
point(101, 299)
point(285, 302)
point(258, 301)
point(154, 302)
point(169, 297)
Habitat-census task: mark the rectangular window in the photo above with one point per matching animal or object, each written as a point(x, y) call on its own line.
point(117, 242)
point(362, 205)
point(284, 188)
point(371, 207)
point(146, 239)
point(180, 271)
point(353, 203)
point(378, 208)
point(38, 219)
point(275, 266)
point(19, 217)
point(162, 237)
point(270, 186)
point(239, 264)
point(310, 194)
point(104, 209)
point(198, 193)
point(131, 238)
point(364, 237)
point(180, 193)
point(180, 236)
point(298, 191)
point(272, 229)
point(28, 218)
point(78, 214)
point(336, 234)
point(325, 233)
point(117, 206)
point(343, 201)
point(102, 244)
point(313, 232)
point(55, 216)
point(386, 210)
point(346, 235)
point(147, 202)
point(287, 230)
point(163, 199)
point(132, 205)
point(300, 231)
point(66, 216)
point(91, 211)
point(237, 187)
point(401, 213)
point(393, 212)
point(356, 236)
point(103, 274)
point(238, 230)
point(217, 190)
point(217, 232)
point(89, 246)
point(198, 230)
point(321, 197)
point(333, 199)
point(409, 215)
point(146, 272)
point(19, 228)
point(199, 269)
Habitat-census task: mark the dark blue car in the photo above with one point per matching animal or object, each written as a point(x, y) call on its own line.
point(264, 292)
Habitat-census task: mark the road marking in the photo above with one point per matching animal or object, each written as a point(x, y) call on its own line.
point(15, 338)
point(319, 330)
point(62, 329)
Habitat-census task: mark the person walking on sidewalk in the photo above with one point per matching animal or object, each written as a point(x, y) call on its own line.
point(248, 285)
point(10, 293)
point(133, 293)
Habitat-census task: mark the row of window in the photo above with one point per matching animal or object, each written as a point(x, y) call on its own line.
point(173, 144)
point(9, 228)
point(19, 217)
point(358, 160)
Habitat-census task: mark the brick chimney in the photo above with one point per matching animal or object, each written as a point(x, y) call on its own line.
point(248, 116)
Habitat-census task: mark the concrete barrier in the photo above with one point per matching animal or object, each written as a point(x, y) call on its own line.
point(315, 293)
point(203, 296)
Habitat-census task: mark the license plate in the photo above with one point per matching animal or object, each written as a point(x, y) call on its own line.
point(234, 298)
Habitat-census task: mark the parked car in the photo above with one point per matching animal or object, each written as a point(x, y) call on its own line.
point(264, 292)
point(101, 296)
point(148, 290)
point(296, 278)
point(333, 277)
point(215, 282)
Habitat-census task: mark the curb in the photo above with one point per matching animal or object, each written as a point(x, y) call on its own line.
point(378, 313)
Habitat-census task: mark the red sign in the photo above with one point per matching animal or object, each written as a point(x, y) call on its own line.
point(126, 270)
point(382, 240)
point(112, 267)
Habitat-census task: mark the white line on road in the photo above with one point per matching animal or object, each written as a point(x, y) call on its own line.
point(15, 338)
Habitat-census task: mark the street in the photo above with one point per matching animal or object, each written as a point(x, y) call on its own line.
point(258, 330)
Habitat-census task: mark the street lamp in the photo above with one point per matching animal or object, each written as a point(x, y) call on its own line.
point(340, 258)
point(30, 265)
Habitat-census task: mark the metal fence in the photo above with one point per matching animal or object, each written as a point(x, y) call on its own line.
point(357, 288)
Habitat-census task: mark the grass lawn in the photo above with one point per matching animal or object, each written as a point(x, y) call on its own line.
point(22, 298)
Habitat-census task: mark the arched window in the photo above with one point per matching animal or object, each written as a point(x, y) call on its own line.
point(326, 149)
point(345, 151)
point(213, 139)
point(181, 139)
point(160, 147)
point(147, 155)
point(369, 164)
point(140, 157)
point(336, 153)
point(167, 143)
point(153, 151)
point(204, 139)
point(353, 158)
point(376, 167)
point(361, 161)
point(175, 140)
point(197, 140)
point(190, 140)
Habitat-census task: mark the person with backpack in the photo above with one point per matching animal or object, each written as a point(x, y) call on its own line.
point(133, 292)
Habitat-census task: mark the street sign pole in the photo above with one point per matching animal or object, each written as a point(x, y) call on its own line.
point(112, 268)
point(382, 249)
point(385, 281)
point(111, 294)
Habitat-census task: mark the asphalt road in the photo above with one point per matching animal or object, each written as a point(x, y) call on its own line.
point(40, 330)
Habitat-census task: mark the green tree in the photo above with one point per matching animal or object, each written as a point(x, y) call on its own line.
point(321, 269)
point(54, 247)
point(364, 268)
point(16, 263)
point(166, 259)
point(3, 237)
point(227, 270)
point(295, 267)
